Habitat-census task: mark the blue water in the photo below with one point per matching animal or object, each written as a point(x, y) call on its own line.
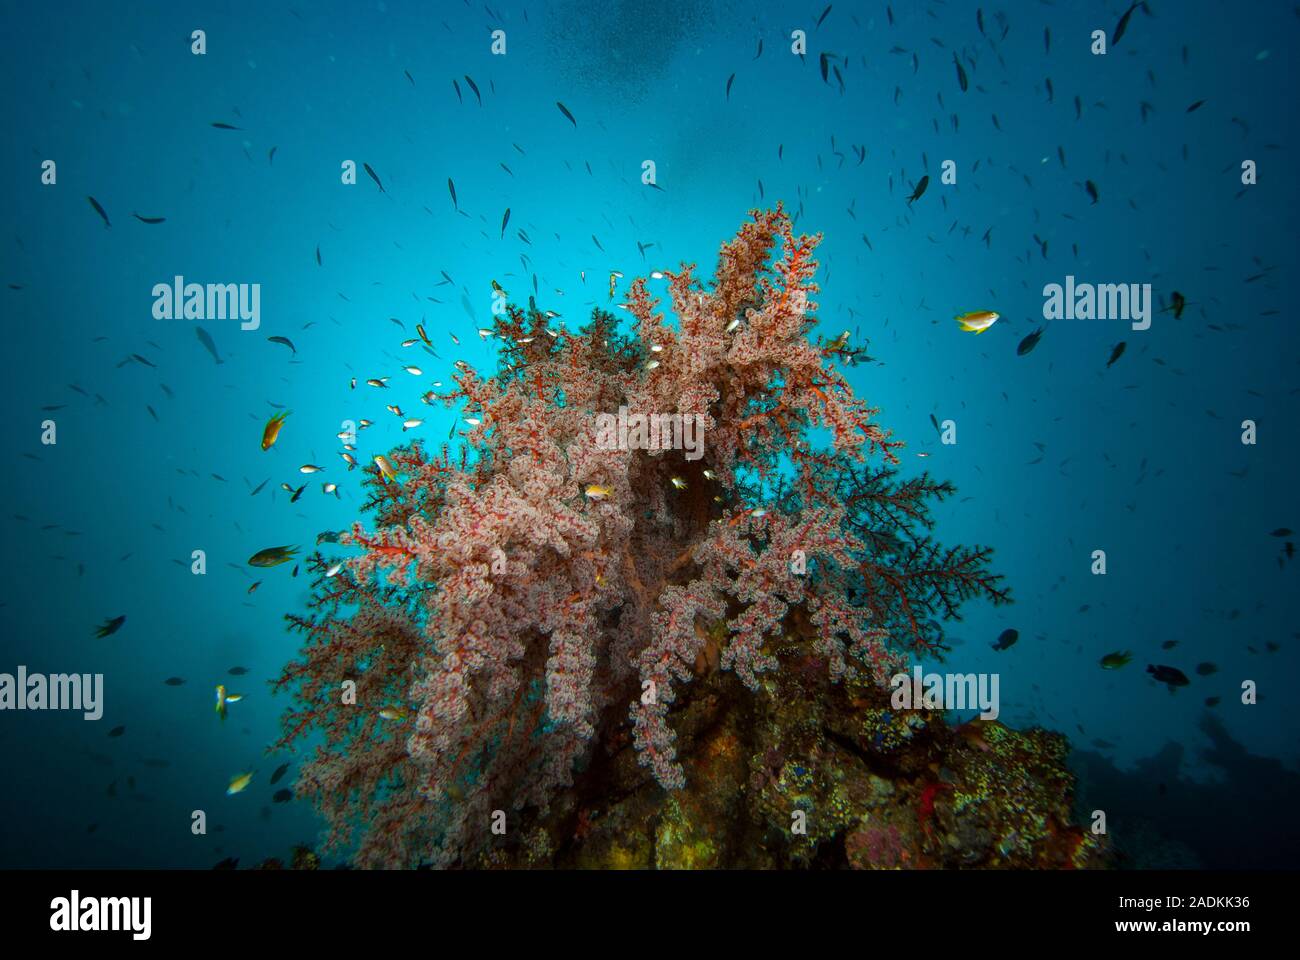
point(1143, 459)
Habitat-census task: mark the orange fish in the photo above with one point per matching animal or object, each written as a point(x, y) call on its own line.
point(272, 429)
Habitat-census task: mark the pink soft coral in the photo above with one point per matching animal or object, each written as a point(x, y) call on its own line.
point(521, 619)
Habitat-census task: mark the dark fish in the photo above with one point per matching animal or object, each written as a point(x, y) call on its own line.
point(237, 671)
point(451, 187)
point(760, 48)
point(149, 219)
point(409, 77)
point(1123, 24)
point(318, 261)
point(1029, 342)
point(230, 863)
point(504, 221)
point(473, 86)
point(920, 189)
point(1212, 701)
point(280, 771)
point(1280, 532)
point(258, 488)
point(270, 157)
point(1007, 639)
point(825, 13)
point(373, 176)
point(1168, 644)
point(1117, 352)
point(565, 110)
point(282, 796)
point(284, 340)
point(1171, 676)
point(1195, 106)
point(1205, 669)
point(206, 340)
point(225, 126)
point(730, 80)
point(100, 210)
point(110, 627)
point(597, 243)
point(1091, 187)
point(117, 731)
point(935, 420)
point(824, 63)
point(961, 73)
point(174, 681)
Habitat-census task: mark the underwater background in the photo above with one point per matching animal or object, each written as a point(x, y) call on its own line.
point(1058, 453)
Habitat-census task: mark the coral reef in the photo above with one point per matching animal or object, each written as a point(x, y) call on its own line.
point(555, 650)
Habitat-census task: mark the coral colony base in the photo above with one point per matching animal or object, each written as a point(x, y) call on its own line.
point(559, 652)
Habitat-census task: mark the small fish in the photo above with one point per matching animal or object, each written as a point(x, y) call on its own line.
point(1281, 532)
point(271, 432)
point(976, 321)
point(1029, 342)
point(677, 482)
point(596, 491)
point(224, 698)
point(1170, 676)
point(386, 470)
point(258, 488)
point(1196, 106)
point(110, 627)
point(237, 671)
point(961, 74)
point(99, 210)
point(206, 339)
point(373, 176)
point(237, 783)
point(505, 220)
point(280, 771)
point(1123, 23)
point(282, 796)
point(474, 86)
point(272, 556)
point(1206, 669)
point(1007, 639)
point(393, 713)
point(730, 80)
point(1117, 352)
point(117, 731)
point(310, 468)
point(174, 681)
point(1091, 188)
point(224, 126)
point(1168, 644)
point(1113, 661)
point(148, 219)
point(565, 110)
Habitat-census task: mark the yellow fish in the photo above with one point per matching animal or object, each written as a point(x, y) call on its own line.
point(224, 698)
point(271, 556)
point(596, 491)
point(237, 783)
point(386, 470)
point(393, 713)
point(976, 321)
point(272, 429)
